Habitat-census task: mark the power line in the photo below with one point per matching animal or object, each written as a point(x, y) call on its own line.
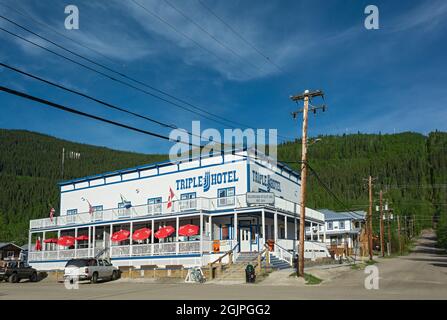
point(81, 113)
point(109, 77)
point(100, 65)
point(28, 16)
point(124, 76)
point(240, 36)
point(87, 96)
point(153, 14)
point(210, 35)
point(91, 116)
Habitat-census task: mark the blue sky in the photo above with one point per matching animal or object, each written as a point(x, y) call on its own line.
point(387, 80)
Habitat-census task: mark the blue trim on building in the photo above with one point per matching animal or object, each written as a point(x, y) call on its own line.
point(156, 175)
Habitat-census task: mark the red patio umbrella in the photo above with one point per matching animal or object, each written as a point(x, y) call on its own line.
point(82, 238)
point(50, 240)
point(164, 232)
point(188, 230)
point(66, 241)
point(38, 246)
point(141, 234)
point(120, 235)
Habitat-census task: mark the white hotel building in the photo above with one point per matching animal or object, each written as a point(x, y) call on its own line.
point(210, 192)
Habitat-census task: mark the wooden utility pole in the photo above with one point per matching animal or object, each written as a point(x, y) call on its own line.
point(389, 232)
point(382, 239)
point(398, 234)
point(305, 97)
point(370, 229)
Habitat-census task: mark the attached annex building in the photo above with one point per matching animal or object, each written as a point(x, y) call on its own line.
point(208, 192)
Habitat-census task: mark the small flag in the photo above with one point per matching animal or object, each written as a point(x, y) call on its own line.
point(170, 198)
point(90, 208)
point(52, 211)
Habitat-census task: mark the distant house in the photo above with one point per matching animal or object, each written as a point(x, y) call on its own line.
point(339, 228)
point(9, 250)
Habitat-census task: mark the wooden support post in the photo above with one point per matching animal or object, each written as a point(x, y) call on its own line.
point(398, 234)
point(382, 238)
point(370, 229)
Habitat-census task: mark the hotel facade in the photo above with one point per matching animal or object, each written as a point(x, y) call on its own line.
point(237, 202)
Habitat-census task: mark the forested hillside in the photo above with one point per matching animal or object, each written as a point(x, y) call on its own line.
point(30, 167)
point(411, 168)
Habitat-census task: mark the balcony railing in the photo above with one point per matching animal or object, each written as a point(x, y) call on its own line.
point(157, 209)
point(137, 250)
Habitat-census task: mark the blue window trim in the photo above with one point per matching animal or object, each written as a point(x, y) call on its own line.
point(155, 200)
point(121, 204)
point(230, 235)
point(341, 225)
point(330, 225)
point(98, 208)
point(228, 188)
point(72, 212)
point(188, 193)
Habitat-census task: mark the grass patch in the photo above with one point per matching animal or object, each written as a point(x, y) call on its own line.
point(311, 279)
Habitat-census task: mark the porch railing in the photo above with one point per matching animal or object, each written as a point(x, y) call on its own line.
point(152, 249)
point(148, 210)
point(282, 254)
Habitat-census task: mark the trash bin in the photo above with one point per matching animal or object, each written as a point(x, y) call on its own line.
point(295, 262)
point(250, 275)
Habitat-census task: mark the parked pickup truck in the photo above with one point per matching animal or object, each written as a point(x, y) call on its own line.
point(14, 271)
point(90, 269)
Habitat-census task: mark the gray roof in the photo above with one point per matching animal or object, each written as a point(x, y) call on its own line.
point(4, 244)
point(348, 215)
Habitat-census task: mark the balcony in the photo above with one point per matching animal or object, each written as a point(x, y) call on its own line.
point(161, 209)
point(136, 250)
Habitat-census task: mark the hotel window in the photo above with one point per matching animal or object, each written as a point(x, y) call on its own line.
point(71, 216)
point(225, 232)
point(187, 196)
point(97, 208)
point(122, 209)
point(342, 224)
point(154, 205)
point(125, 204)
point(188, 201)
point(225, 197)
point(330, 226)
point(97, 212)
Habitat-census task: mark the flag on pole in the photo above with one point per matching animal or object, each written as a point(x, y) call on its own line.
point(170, 198)
point(126, 203)
point(52, 211)
point(90, 208)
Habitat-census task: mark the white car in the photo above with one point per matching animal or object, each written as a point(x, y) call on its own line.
point(90, 269)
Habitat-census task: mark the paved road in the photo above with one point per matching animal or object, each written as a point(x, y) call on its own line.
point(420, 275)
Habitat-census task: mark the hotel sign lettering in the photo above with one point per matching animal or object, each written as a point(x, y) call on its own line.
point(267, 181)
point(207, 180)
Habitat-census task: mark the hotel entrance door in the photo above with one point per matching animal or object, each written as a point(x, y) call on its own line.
point(245, 238)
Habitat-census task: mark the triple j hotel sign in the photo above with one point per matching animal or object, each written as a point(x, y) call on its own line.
point(207, 180)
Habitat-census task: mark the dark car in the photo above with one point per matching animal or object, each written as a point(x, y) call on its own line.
point(14, 271)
